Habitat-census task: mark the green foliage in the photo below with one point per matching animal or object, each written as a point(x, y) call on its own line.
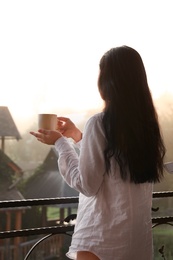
point(54, 213)
point(163, 236)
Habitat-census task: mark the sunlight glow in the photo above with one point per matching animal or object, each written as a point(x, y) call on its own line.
point(50, 50)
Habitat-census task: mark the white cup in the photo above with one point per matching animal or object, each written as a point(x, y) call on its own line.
point(47, 121)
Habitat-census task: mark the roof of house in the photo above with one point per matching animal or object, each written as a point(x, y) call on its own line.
point(9, 170)
point(7, 125)
point(9, 192)
point(7, 167)
point(47, 181)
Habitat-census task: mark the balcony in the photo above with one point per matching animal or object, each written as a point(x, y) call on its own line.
point(47, 242)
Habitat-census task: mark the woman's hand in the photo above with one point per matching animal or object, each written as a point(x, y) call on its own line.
point(67, 128)
point(47, 136)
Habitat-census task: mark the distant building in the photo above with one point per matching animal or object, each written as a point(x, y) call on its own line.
point(48, 183)
point(10, 173)
point(8, 129)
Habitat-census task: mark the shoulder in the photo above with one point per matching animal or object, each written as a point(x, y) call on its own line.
point(95, 119)
point(95, 123)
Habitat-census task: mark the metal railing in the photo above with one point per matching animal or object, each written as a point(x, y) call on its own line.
point(61, 228)
point(58, 229)
point(48, 231)
point(165, 219)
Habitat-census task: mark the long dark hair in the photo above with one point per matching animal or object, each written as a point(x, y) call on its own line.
point(130, 120)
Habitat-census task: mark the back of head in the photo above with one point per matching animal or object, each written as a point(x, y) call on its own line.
point(130, 120)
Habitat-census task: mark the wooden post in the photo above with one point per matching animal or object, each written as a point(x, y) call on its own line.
point(44, 216)
point(61, 215)
point(8, 227)
point(8, 221)
point(18, 222)
point(3, 143)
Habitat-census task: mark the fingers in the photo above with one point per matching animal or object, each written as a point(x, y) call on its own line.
point(64, 119)
point(40, 134)
point(47, 136)
point(44, 131)
point(40, 140)
point(33, 133)
point(60, 124)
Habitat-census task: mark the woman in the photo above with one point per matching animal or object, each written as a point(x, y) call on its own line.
point(121, 156)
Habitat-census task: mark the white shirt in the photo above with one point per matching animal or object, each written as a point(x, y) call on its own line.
point(114, 217)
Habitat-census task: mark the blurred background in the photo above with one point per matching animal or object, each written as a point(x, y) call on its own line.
point(49, 63)
point(50, 52)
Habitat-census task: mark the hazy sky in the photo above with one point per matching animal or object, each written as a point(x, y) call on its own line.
point(50, 50)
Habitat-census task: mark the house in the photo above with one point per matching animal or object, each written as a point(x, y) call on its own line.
point(11, 218)
point(47, 182)
point(8, 129)
point(10, 174)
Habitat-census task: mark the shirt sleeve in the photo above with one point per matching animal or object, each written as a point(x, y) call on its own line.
point(84, 172)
